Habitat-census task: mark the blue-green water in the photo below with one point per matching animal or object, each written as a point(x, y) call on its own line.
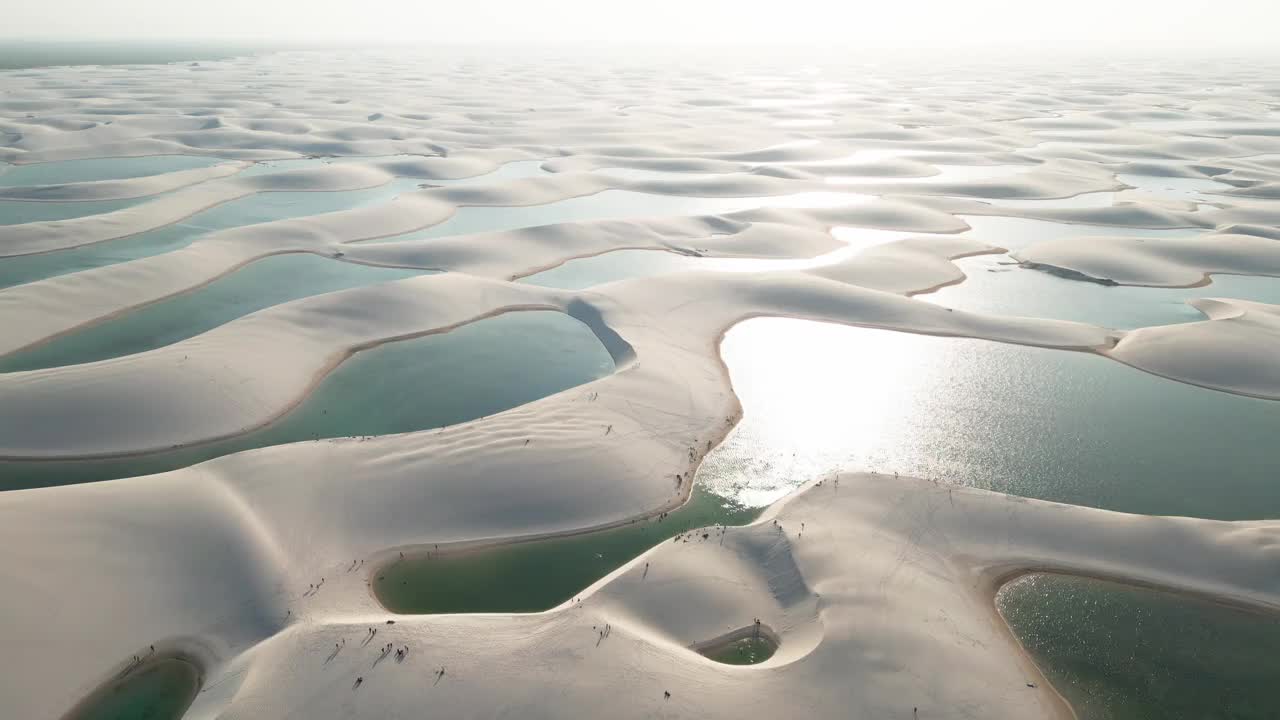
point(118, 168)
point(417, 384)
point(536, 576)
point(817, 397)
point(257, 208)
point(13, 212)
point(162, 690)
point(260, 284)
point(996, 285)
point(1064, 426)
point(747, 651)
point(1124, 653)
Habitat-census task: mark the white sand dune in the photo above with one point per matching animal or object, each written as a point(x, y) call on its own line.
point(881, 605)
point(56, 412)
point(1233, 350)
point(907, 621)
point(1157, 262)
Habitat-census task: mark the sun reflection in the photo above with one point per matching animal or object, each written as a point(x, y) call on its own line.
point(1063, 426)
point(819, 397)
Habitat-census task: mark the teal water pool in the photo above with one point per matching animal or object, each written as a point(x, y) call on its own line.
point(996, 284)
point(258, 285)
point(1065, 426)
point(1117, 652)
point(253, 209)
point(538, 575)
point(417, 384)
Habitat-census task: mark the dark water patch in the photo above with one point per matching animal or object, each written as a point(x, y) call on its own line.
point(751, 650)
point(1118, 652)
point(540, 574)
point(156, 690)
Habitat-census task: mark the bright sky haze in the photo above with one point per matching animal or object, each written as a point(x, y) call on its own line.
point(1189, 25)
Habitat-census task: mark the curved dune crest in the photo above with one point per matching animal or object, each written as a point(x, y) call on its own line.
point(1159, 262)
point(1234, 350)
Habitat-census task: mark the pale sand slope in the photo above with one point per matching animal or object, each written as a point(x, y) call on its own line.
point(1155, 262)
point(882, 604)
point(1234, 349)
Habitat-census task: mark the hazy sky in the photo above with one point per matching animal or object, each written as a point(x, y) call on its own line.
point(1056, 24)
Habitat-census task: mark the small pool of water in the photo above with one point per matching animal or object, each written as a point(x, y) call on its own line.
point(253, 209)
point(435, 380)
point(162, 690)
point(613, 204)
point(1117, 652)
point(118, 168)
point(260, 284)
point(996, 284)
point(1057, 425)
point(745, 651)
point(539, 575)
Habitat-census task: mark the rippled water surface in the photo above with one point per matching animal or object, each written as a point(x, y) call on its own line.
point(1065, 426)
point(1123, 653)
